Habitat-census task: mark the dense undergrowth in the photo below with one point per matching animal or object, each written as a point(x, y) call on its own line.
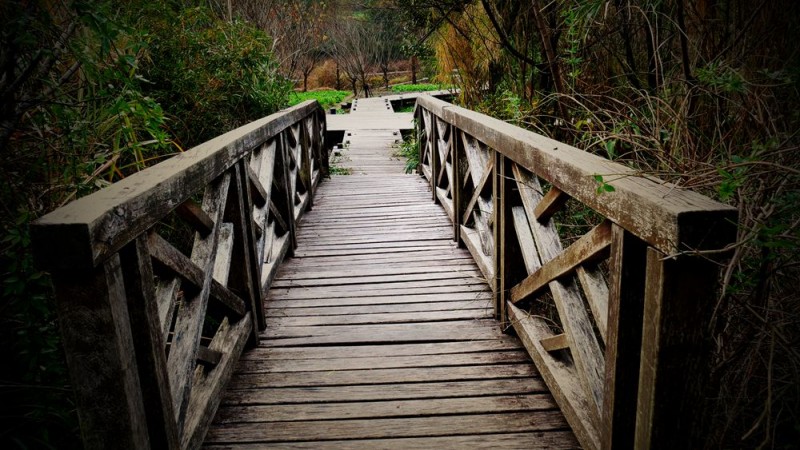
point(702, 94)
point(89, 94)
point(326, 98)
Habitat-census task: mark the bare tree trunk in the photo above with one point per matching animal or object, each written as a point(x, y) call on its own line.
point(338, 78)
point(413, 69)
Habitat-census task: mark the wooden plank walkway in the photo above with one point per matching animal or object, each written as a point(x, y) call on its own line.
point(380, 330)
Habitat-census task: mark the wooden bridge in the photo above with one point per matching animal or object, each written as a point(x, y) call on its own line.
point(229, 297)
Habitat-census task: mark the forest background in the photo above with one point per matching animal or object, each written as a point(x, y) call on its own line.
point(704, 94)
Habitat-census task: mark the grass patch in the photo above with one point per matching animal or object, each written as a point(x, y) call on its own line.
point(405, 109)
point(420, 87)
point(325, 98)
point(409, 149)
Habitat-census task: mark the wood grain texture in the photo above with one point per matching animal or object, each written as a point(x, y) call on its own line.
point(84, 232)
point(667, 217)
point(379, 327)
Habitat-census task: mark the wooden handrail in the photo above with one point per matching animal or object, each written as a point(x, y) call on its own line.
point(153, 325)
point(628, 363)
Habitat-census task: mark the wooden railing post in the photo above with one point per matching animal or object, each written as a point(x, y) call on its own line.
point(455, 183)
point(433, 141)
point(245, 274)
point(679, 300)
point(98, 343)
point(623, 344)
point(306, 153)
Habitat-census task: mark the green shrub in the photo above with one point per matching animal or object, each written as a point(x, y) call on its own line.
point(214, 75)
point(419, 87)
point(326, 98)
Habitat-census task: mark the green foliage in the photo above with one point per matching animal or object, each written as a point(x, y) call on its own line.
point(419, 87)
point(83, 103)
point(215, 75)
point(326, 98)
point(602, 185)
point(409, 149)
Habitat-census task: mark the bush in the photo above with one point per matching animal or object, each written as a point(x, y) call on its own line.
point(326, 98)
point(214, 75)
point(420, 87)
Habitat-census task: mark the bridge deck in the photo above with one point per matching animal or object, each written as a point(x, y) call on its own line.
point(380, 332)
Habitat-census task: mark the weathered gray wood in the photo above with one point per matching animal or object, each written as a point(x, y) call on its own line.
point(381, 376)
point(591, 246)
point(166, 255)
point(382, 362)
point(479, 187)
point(245, 274)
point(84, 232)
point(551, 203)
point(365, 351)
point(257, 191)
point(471, 240)
point(379, 318)
point(596, 291)
point(190, 315)
point(208, 357)
point(229, 340)
point(673, 379)
point(574, 318)
point(384, 428)
point(385, 409)
point(669, 218)
point(222, 261)
point(98, 344)
point(525, 239)
point(529, 440)
point(148, 341)
point(193, 214)
point(410, 391)
point(561, 378)
point(554, 343)
point(627, 264)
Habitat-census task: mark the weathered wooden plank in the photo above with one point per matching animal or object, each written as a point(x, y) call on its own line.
point(596, 291)
point(679, 299)
point(530, 440)
point(525, 239)
point(278, 312)
point(471, 240)
point(368, 279)
point(551, 203)
point(84, 232)
point(166, 255)
point(561, 378)
point(383, 428)
point(194, 215)
point(379, 318)
point(576, 322)
point(479, 188)
point(148, 341)
point(553, 343)
point(591, 246)
point(208, 387)
point(410, 391)
point(190, 315)
point(245, 274)
point(381, 376)
point(96, 335)
point(382, 362)
point(669, 218)
point(411, 292)
point(627, 264)
point(222, 261)
point(438, 348)
point(384, 409)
